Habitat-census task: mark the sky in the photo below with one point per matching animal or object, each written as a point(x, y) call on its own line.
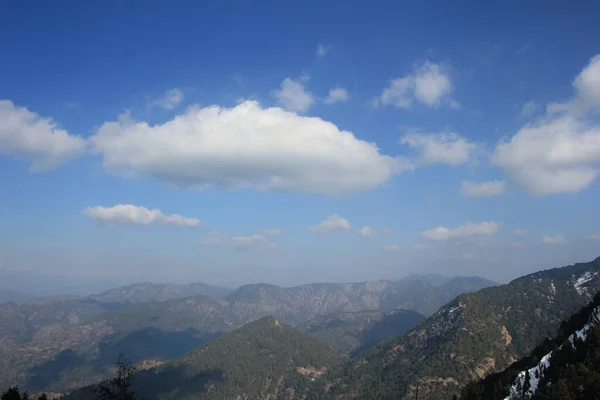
point(232, 143)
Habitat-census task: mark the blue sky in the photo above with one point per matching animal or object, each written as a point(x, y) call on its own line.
point(233, 143)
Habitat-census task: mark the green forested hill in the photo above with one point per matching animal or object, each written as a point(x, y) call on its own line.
point(264, 359)
point(473, 335)
point(566, 367)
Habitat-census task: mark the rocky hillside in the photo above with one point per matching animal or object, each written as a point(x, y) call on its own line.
point(473, 335)
point(565, 367)
point(350, 332)
point(149, 292)
point(264, 359)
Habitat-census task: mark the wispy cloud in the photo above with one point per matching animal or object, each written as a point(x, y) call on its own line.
point(169, 100)
point(129, 214)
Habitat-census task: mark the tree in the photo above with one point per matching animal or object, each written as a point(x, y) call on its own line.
point(13, 394)
point(119, 387)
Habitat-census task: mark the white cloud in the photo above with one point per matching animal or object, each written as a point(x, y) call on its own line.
point(529, 109)
point(333, 224)
point(558, 239)
point(519, 232)
point(293, 96)
point(271, 232)
point(246, 147)
point(560, 152)
point(440, 148)
point(26, 135)
point(470, 229)
point(337, 95)
point(481, 189)
point(254, 242)
point(429, 84)
point(128, 214)
point(593, 237)
point(366, 231)
point(322, 50)
point(171, 99)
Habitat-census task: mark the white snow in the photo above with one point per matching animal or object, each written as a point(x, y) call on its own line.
point(552, 288)
point(537, 372)
point(582, 280)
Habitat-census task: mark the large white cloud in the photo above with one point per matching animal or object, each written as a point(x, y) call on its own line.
point(470, 229)
point(129, 214)
point(429, 84)
point(246, 147)
point(26, 135)
point(333, 224)
point(482, 189)
point(560, 152)
point(440, 148)
point(293, 96)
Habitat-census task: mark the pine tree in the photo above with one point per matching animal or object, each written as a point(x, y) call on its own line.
point(119, 387)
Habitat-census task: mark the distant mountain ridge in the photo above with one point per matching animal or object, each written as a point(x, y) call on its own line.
point(148, 292)
point(471, 336)
point(45, 343)
point(7, 295)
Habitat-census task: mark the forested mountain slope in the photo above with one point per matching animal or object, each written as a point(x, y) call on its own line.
point(566, 367)
point(473, 335)
point(264, 359)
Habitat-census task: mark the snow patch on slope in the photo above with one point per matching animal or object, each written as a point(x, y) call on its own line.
point(582, 280)
point(536, 373)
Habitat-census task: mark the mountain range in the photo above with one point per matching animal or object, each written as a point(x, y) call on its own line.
point(473, 335)
point(65, 342)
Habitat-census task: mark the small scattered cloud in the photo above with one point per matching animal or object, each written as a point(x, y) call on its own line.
point(558, 239)
point(529, 108)
point(293, 96)
point(212, 238)
point(470, 229)
point(322, 50)
point(332, 225)
point(429, 84)
point(254, 242)
point(593, 237)
point(129, 214)
point(271, 232)
point(520, 232)
point(395, 248)
point(170, 99)
point(454, 104)
point(366, 231)
point(481, 189)
point(337, 95)
point(26, 135)
point(245, 146)
point(517, 244)
point(440, 148)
